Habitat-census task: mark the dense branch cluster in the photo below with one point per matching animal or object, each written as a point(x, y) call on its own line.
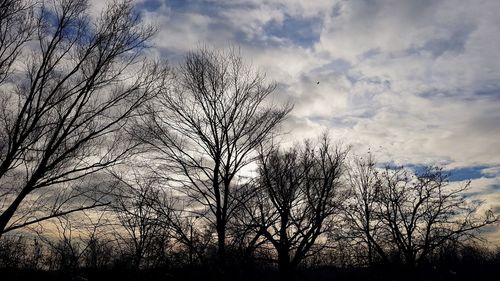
point(395, 211)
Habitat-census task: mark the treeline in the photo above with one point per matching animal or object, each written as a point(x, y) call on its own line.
point(116, 164)
point(84, 258)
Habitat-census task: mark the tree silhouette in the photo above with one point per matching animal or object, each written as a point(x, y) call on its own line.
point(395, 209)
point(67, 90)
point(423, 211)
point(204, 129)
point(361, 220)
point(300, 191)
point(137, 215)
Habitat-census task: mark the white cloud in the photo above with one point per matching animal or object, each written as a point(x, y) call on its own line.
point(442, 49)
point(402, 76)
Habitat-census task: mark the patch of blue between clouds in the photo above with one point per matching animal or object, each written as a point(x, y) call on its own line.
point(299, 31)
point(149, 5)
point(490, 91)
point(468, 173)
point(83, 31)
point(458, 174)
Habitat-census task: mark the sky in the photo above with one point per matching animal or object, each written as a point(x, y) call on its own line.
point(416, 82)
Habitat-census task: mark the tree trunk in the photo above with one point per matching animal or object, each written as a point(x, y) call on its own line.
point(221, 246)
point(285, 267)
point(370, 253)
point(9, 212)
point(411, 267)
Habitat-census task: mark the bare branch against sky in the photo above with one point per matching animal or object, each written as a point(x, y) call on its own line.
point(67, 90)
point(206, 128)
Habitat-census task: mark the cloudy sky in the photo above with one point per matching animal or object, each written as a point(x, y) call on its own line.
point(416, 81)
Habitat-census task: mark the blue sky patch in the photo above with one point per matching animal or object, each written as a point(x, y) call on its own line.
point(149, 5)
point(303, 32)
point(458, 174)
point(467, 173)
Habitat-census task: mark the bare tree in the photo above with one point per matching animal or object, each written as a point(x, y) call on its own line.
point(99, 247)
point(413, 215)
point(137, 215)
point(423, 211)
point(361, 217)
point(184, 227)
point(300, 192)
point(67, 250)
point(17, 252)
point(17, 25)
point(245, 239)
point(206, 127)
point(68, 86)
